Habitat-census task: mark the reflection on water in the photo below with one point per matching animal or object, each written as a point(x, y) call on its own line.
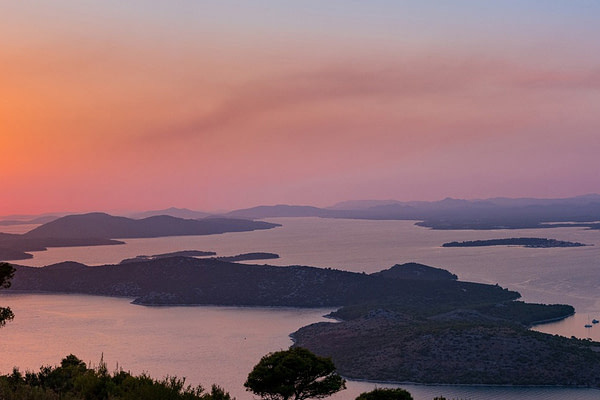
point(216, 344)
point(205, 344)
point(575, 325)
point(553, 275)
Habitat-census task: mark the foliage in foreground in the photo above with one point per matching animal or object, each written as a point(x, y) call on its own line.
point(73, 380)
point(294, 374)
point(6, 273)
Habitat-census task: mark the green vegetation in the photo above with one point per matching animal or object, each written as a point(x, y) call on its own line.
point(294, 374)
point(459, 347)
point(385, 394)
point(6, 273)
point(73, 380)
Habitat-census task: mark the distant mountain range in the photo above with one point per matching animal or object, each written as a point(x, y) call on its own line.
point(101, 225)
point(449, 213)
point(30, 221)
point(173, 212)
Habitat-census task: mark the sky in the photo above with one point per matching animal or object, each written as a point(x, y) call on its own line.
point(214, 105)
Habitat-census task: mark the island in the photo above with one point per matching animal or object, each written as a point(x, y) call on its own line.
point(258, 255)
point(411, 322)
point(182, 253)
point(199, 253)
point(523, 241)
point(96, 229)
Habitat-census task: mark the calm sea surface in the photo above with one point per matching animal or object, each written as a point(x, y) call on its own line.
point(221, 344)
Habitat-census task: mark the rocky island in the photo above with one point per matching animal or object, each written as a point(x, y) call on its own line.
point(524, 242)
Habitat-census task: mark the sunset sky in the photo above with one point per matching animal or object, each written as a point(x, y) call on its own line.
point(212, 105)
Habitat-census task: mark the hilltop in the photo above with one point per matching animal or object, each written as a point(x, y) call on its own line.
point(187, 280)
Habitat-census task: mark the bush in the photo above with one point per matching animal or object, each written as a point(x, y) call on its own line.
point(73, 380)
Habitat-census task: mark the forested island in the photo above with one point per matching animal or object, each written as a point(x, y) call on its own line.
point(410, 322)
point(524, 242)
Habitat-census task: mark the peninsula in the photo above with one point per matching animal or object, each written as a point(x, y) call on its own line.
point(97, 229)
point(200, 253)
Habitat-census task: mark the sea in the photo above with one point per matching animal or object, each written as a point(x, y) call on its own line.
point(208, 344)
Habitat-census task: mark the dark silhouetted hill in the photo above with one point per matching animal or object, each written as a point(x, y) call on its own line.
point(107, 226)
point(172, 212)
point(100, 229)
point(415, 271)
point(186, 280)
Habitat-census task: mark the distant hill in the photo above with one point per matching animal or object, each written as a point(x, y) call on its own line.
point(281, 210)
point(416, 271)
point(449, 213)
point(101, 225)
point(101, 229)
point(361, 204)
point(32, 221)
point(172, 212)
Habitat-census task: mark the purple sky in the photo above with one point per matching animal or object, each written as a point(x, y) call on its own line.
point(218, 105)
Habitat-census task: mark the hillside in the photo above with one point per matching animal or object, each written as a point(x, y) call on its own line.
point(411, 322)
point(107, 226)
point(455, 348)
point(186, 280)
point(96, 229)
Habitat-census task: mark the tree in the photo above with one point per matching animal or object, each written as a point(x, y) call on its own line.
point(385, 394)
point(6, 273)
point(294, 374)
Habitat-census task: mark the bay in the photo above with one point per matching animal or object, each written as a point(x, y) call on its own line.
point(555, 275)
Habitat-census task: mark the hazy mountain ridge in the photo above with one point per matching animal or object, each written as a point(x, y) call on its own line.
point(449, 213)
point(32, 221)
point(184, 213)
